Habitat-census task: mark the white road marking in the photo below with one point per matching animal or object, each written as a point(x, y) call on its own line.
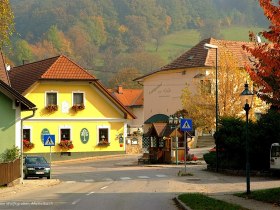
point(161, 175)
point(125, 178)
point(70, 182)
point(89, 180)
point(90, 193)
point(76, 201)
point(143, 177)
point(107, 179)
point(102, 188)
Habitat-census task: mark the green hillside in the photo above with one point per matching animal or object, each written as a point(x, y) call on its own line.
point(178, 42)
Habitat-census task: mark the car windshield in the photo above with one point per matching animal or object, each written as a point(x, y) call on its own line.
point(35, 160)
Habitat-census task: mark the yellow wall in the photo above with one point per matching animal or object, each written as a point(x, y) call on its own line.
point(98, 112)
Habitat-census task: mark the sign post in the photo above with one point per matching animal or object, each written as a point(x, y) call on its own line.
point(49, 140)
point(186, 125)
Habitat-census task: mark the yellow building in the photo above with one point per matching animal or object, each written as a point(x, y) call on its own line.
point(73, 106)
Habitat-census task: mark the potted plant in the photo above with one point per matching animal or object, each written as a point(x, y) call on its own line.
point(52, 107)
point(27, 144)
point(78, 107)
point(66, 144)
point(104, 142)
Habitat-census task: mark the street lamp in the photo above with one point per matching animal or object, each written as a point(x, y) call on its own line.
point(247, 98)
point(174, 122)
point(208, 47)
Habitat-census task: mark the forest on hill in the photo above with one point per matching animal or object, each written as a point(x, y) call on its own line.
point(110, 36)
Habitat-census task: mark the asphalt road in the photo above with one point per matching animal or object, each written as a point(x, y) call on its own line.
point(119, 184)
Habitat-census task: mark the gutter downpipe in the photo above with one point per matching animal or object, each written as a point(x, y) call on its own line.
point(21, 142)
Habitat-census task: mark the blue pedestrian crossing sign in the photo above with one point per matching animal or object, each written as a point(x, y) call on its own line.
point(49, 140)
point(186, 125)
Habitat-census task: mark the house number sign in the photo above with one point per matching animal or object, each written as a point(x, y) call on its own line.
point(84, 135)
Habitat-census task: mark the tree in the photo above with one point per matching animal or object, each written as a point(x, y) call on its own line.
point(125, 78)
point(201, 104)
point(22, 52)
point(265, 70)
point(6, 22)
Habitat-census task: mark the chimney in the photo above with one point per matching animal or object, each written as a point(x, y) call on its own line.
point(120, 89)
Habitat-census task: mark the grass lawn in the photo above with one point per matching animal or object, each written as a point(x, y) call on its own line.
point(197, 201)
point(268, 195)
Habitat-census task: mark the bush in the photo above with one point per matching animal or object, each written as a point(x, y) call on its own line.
point(231, 138)
point(210, 158)
point(10, 154)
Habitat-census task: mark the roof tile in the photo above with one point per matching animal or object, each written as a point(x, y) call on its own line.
point(56, 68)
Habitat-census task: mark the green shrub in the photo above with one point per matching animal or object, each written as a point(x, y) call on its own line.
point(210, 158)
point(10, 154)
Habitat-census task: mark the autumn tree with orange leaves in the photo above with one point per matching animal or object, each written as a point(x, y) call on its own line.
point(266, 65)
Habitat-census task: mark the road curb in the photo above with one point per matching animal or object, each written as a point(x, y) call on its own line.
point(181, 204)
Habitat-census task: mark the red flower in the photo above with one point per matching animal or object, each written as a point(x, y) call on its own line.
point(66, 144)
point(27, 144)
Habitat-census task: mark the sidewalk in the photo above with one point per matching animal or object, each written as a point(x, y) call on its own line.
point(27, 185)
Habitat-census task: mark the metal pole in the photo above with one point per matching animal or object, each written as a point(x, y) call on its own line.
point(176, 140)
point(50, 161)
point(247, 108)
point(217, 117)
point(186, 150)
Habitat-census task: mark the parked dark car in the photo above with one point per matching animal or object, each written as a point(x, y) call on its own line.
point(36, 166)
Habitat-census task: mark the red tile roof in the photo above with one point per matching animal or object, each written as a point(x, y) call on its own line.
point(3, 73)
point(129, 97)
point(56, 68)
point(197, 56)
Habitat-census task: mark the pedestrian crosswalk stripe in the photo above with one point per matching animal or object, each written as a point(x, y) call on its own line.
point(89, 180)
point(70, 182)
point(143, 177)
point(161, 175)
point(107, 179)
point(125, 178)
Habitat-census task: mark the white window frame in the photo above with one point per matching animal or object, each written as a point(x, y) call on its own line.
point(51, 91)
point(65, 127)
point(78, 92)
point(27, 128)
point(103, 127)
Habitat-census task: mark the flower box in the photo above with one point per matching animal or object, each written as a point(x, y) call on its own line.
point(78, 107)
point(52, 107)
point(104, 143)
point(27, 144)
point(66, 144)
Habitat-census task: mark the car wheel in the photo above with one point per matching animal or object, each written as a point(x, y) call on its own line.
point(48, 177)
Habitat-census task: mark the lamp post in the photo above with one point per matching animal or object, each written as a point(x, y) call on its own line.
point(174, 122)
point(246, 98)
point(208, 47)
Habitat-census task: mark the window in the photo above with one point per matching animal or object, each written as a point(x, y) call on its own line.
point(78, 98)
point(205, 86)
point(65, 134)
point(51, 98)
point(26, 134)
point(103, 135)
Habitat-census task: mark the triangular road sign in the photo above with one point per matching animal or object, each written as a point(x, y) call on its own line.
point(49, 142)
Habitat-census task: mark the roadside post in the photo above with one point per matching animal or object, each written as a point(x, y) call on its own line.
point(49, 141)
point(186, 125)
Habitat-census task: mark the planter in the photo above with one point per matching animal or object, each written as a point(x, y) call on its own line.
point(103, 144)
point(27, 145)
point(66, 144)
point(78, 107)
point(52, 108)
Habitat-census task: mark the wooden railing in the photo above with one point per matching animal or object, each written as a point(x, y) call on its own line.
point(9, 172)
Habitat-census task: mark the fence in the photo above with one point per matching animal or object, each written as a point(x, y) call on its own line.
point(9, 172)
